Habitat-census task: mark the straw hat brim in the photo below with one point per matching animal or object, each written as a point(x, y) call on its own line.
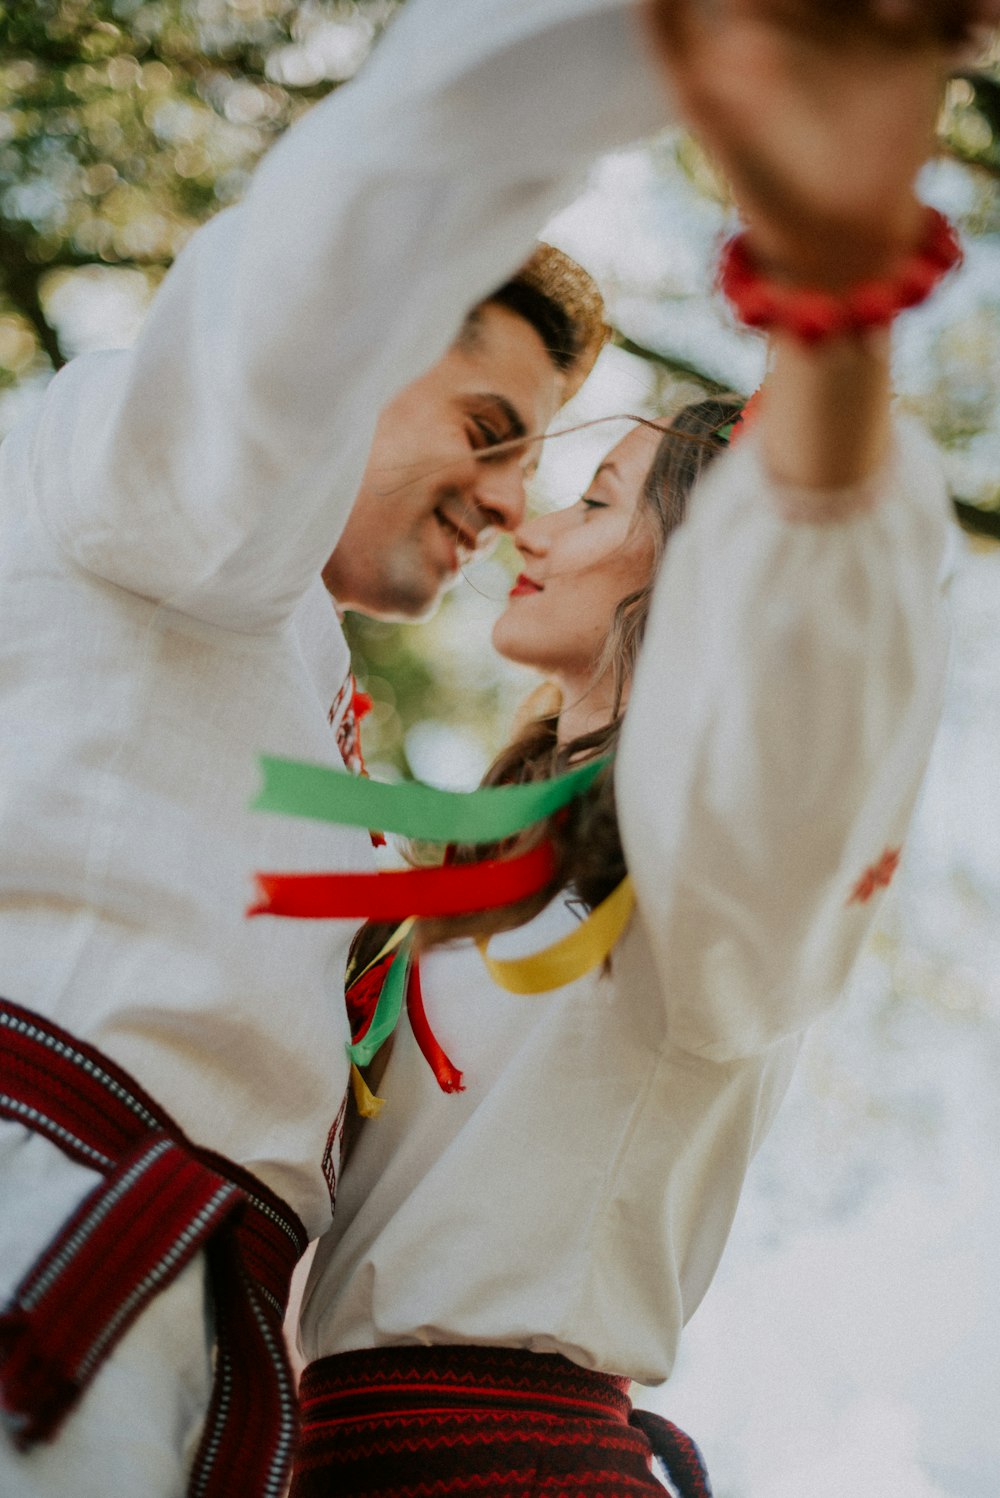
point(562, 280)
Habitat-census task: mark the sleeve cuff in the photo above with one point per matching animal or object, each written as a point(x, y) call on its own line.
point(801, 504)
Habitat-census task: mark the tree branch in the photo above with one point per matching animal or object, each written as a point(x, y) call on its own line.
point(681, 368)
point(976, 521)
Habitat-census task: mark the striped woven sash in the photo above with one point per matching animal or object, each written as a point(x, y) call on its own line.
point(161, 1201)
point(481, 1422)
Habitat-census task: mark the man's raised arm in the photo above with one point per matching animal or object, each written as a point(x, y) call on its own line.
point(213, 465)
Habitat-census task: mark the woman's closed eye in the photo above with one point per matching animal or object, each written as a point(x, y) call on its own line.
point(590, 503)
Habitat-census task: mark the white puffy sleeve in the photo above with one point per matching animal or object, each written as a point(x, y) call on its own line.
point(781, 719)
point(213, 466)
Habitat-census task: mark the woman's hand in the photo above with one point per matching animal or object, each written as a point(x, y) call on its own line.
point(820, 115)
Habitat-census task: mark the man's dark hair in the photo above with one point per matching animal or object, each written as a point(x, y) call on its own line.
point(554, 295)
point(552, 323)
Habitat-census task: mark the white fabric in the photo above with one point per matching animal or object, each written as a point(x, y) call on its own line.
point(163, 521)
point(577, 1196)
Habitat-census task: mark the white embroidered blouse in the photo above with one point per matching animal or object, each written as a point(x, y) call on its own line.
point(577, 1196)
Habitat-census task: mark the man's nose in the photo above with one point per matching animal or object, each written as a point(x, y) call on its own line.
point(500, 494)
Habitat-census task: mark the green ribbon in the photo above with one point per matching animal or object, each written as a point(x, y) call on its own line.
point(415, 810)
point(387, 1010)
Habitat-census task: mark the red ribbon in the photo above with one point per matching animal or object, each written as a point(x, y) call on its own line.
point(362, 996)
point(393, 896)
point(449, 1078)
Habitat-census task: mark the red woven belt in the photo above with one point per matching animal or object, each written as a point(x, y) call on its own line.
point(162, 1200)
point(475, 1420)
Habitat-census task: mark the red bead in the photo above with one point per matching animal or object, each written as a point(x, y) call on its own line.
point(813, 315)
point(873, 304)
point(756, 306)
point(917, 282)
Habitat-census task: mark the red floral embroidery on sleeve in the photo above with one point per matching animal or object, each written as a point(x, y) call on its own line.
point(876, 876)
point(348, 708)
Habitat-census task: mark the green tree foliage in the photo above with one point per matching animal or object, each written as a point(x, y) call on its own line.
point(125, 123)
point(971, 122)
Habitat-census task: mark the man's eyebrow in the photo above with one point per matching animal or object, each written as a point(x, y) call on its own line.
point(513, 418)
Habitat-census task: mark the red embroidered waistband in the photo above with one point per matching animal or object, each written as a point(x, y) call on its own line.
point(162, 1201)
point(403, 1379)
point(470, 1420)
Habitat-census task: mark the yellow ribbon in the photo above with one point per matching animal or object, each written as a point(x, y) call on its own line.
point(369, 1106)
point(393, 942)
point(571, 956)
point(554, 966)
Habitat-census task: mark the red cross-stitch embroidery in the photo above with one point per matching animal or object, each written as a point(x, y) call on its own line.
point(348, 708)
point(876, 876)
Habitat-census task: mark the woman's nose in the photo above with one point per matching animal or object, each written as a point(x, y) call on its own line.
point(531, 536)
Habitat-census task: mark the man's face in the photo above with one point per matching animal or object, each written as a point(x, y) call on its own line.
point(432, 488)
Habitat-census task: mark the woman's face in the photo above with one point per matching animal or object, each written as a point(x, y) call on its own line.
point(577, 564)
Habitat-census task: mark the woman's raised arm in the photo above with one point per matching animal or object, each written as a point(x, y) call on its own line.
point(789, 686)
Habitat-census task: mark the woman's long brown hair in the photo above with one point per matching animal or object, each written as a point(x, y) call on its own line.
point(589, 857)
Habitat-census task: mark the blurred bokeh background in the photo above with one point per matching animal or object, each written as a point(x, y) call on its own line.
point(851, 1343)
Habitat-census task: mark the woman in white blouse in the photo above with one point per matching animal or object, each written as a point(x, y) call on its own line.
point(504, 1260)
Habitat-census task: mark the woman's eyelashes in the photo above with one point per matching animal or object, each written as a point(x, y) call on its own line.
point(589, 503)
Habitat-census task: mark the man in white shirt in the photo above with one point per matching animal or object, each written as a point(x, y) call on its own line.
point(166, 516)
